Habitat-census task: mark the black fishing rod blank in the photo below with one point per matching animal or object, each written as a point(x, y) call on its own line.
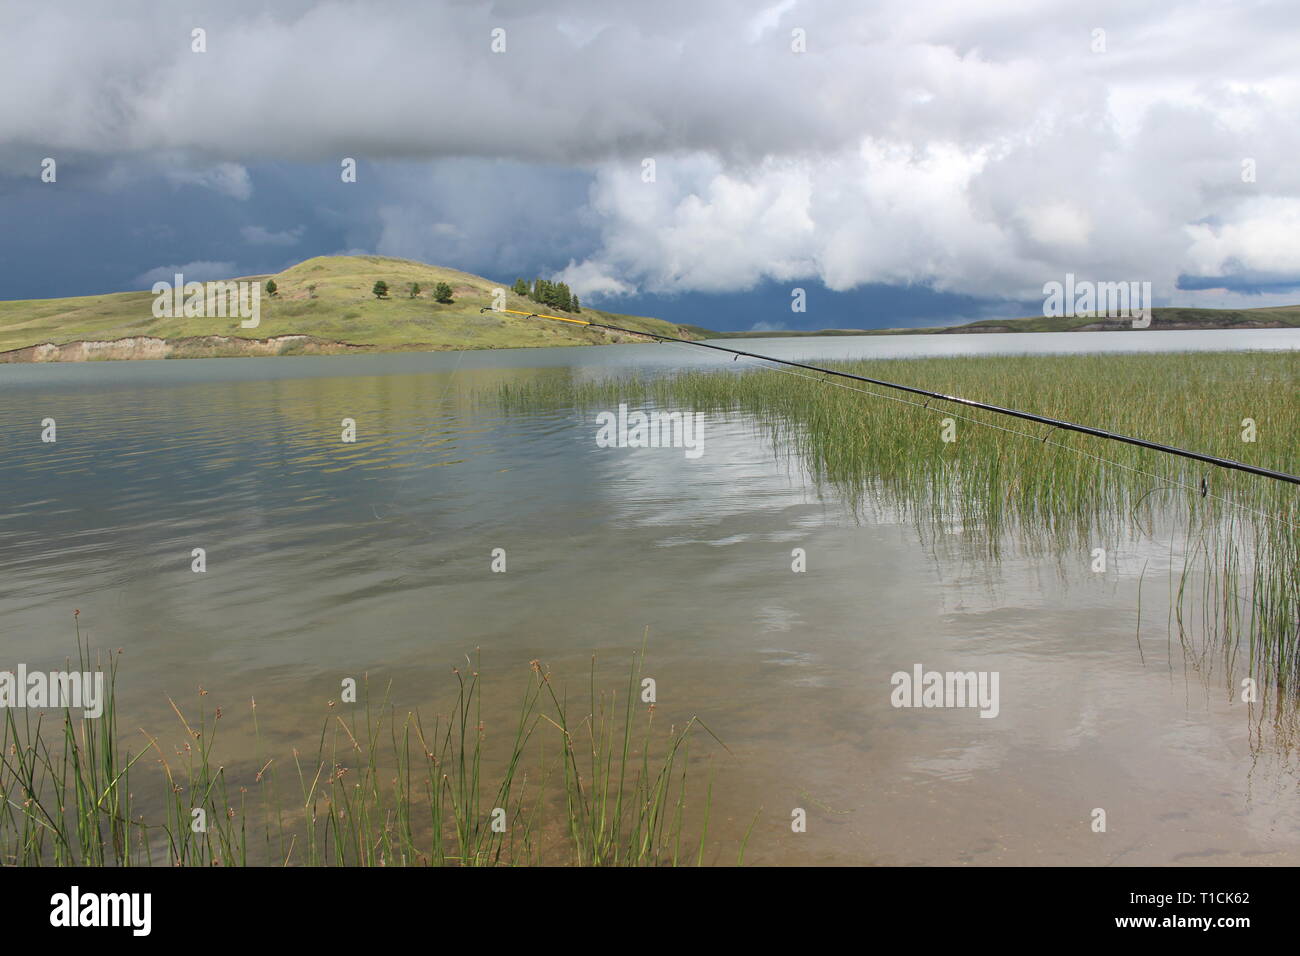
point(957, 399)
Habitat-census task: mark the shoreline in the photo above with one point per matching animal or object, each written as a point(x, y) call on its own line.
point(152, 348)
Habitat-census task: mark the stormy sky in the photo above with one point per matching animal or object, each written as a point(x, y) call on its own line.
point(907, 162)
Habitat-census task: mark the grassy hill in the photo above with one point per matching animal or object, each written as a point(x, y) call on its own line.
point(324, 304)
point(1161, 319)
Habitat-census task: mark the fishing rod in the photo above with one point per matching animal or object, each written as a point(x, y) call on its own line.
point(968, 402)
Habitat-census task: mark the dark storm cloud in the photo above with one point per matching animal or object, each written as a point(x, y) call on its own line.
point(974, 153)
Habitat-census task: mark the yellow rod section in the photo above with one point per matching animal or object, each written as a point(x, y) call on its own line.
point(539, 315)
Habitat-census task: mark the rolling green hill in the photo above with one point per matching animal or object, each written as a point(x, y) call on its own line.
point(323, 305)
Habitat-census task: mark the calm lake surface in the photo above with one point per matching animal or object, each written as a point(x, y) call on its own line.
point(327, 560)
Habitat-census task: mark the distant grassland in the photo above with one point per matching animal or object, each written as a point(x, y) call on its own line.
point(1050, 490)
point(1162, 319)
point(340, 309)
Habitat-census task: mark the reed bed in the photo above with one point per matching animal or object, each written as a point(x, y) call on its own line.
point(1051, 491)
point(595, 783)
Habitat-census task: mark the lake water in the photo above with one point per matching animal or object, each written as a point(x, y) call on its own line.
point(327, 560)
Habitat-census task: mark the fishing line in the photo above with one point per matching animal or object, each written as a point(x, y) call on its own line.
point(1099, 458)
point(1203, 491)
point(971, 403)
point(1046, 440)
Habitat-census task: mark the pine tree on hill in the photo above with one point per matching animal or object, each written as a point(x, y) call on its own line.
point(555, 295)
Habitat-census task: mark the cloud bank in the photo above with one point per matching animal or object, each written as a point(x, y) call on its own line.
point(911, 142)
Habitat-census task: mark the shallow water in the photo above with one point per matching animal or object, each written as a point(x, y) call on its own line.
point(328, 560)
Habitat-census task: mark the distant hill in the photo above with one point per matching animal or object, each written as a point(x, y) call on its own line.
point(326, 305)
point(1281, 317)
point(323, 305)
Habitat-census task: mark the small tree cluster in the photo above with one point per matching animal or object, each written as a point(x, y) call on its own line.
point(441, 291)
point(556, 295)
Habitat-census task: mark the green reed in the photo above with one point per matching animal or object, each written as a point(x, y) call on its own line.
point(574, 785)
point(1050, 491)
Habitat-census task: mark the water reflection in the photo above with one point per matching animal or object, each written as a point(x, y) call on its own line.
point(328, 559)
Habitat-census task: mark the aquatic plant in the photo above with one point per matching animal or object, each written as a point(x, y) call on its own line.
point(1050, 491)
point(573, 785)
